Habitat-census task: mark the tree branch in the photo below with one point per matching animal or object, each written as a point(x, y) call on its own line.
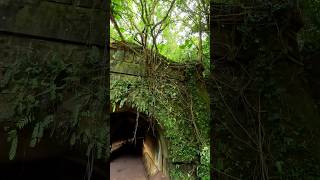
point(114, 22)
point(166, 16)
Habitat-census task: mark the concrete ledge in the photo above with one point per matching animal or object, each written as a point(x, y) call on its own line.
point(55, 20)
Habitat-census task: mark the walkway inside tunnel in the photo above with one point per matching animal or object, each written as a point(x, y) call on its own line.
point(127, 163)
point(134, 158)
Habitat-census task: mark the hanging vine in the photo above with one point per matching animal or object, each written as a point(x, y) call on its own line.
point(163, 99)
point(39, 90)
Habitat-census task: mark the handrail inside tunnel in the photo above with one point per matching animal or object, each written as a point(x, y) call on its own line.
point(150, 149)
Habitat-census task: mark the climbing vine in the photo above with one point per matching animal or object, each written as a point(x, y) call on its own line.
point(180, 109)
point(169, 107)
point(259, 97)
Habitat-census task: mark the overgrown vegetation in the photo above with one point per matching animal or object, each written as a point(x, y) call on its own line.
point(179, 108)
point(56, 97)
point(265, 117)
point(178, 30)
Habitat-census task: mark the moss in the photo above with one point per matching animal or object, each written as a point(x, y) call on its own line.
point(169, 104)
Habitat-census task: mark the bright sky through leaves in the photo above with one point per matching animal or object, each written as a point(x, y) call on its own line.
point(179, 38)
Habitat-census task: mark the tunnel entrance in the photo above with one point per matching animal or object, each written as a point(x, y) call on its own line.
point(137, 149)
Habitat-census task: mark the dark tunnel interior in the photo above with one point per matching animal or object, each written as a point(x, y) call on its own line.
point(123, 125)
point(70, 164)
point(131, 149)
point(142, 160)
point(128, 154)
point(50, 160)
point(51, 168)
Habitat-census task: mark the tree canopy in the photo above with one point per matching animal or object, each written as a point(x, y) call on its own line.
point(177, 29)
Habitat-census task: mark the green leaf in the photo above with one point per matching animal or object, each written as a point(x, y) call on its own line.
point(23, 122)
point(13, 148)
point(35, 134)
point(122, 102)
point(47, 120)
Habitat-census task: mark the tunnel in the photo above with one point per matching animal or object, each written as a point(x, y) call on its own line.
point(145, 155)
point(138, 149)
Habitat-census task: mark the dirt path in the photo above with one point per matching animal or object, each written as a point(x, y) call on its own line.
point(127, 167)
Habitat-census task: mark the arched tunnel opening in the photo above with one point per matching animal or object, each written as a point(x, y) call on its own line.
point(137, 148)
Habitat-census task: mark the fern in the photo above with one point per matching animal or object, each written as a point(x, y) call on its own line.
point(36, 134)
point(47, 120)
point(122, 102)
point(13, 138)
point(23, 122)
point(13, 148)
point(41, 86)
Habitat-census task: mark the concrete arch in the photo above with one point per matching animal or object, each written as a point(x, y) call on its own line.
point(155, 154)
point(150, 141)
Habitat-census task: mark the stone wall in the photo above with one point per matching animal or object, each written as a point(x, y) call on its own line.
point(128, 61)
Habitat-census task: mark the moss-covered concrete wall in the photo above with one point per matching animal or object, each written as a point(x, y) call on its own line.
point(52, 81)
point(36, 37)
point(129, 59)
point(175, 99)
point(79, 21)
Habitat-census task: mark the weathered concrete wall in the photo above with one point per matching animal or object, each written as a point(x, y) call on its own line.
point(128, 60)
point(155, 155)
point(41, 29)
point(80, 21)
point(37, 28)
point(128, 64)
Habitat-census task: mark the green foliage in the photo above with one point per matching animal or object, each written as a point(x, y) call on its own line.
point(37, 133)
point(256, 102)
point(178, 37)
point(204, 168)
point(201, 101)
point(13, 138)
point(168, 106)
point(177, 174)
point(310, 35)
point(166, 100)
point(50, 94)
